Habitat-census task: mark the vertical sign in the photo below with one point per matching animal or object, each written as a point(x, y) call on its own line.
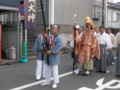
point(21, 11)
point(30, 13)
point(0, 43)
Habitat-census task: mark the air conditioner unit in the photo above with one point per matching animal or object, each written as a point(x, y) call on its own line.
point(96, 12)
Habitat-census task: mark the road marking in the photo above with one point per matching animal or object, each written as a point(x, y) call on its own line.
point(102, 86)
point(39, 82)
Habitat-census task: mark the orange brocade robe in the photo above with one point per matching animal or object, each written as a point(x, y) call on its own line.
point(88, 46)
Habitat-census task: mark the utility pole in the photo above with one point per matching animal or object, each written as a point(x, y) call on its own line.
point(24, 43)
point(0, 43)
point(103, 12)
point(106, 14)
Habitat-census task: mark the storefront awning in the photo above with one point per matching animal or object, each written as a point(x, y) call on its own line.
point(13, 3)
point(4, 7)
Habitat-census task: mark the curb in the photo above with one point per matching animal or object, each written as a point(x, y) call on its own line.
point(9, 62)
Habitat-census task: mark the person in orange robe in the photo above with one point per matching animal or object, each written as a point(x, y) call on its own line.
point(88, 48)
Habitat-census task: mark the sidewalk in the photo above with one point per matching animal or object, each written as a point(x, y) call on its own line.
point(8, 61)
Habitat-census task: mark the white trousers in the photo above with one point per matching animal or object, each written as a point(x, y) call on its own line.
point(39, 67)
point(49, 70)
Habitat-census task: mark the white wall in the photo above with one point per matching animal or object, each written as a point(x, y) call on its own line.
point(65, 9)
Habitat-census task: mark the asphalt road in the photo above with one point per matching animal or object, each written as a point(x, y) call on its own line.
point(21, 76)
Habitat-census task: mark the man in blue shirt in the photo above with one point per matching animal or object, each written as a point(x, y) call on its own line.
point(38, 48)
point(56, 43)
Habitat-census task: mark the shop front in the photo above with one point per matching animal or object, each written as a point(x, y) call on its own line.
point(8, 31)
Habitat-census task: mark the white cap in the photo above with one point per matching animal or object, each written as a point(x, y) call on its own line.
point(47, 28)
point(77, 27)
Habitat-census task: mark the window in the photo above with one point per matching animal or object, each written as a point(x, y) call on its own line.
point(114, 16)
point(118, 16)
point(96, 12)
point(110, 1)
point(8, 17)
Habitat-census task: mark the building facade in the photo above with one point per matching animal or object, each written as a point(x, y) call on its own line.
point(113, 14)
point(60, 12)
point(63, 14)
point(9, 19)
